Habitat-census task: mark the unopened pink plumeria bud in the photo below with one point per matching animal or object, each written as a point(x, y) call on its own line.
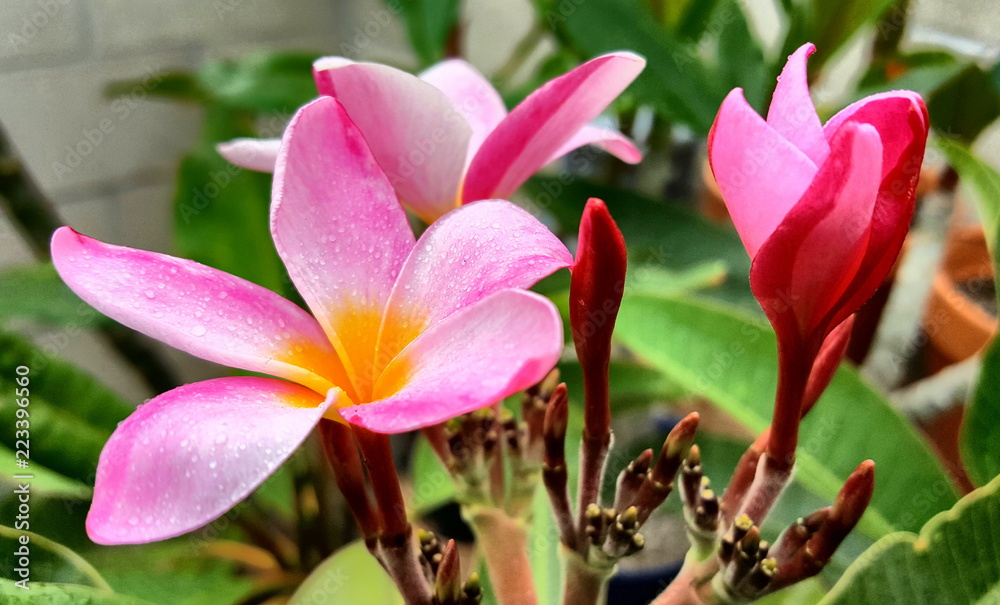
point(594, 299)
point(822, 210)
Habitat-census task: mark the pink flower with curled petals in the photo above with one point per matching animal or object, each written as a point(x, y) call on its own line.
point(821, 209)
point(445, 138)
point(404, 333)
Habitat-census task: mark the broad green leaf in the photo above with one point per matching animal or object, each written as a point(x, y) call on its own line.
point(634, 386)
point(350, 575)
point(429, 23)
point(71, 415)
point(983, 180)
point(741, 59)
point(809, 592)
point(267, 83)
point(954, 560)
point(829, 25)
point(432, 485)
point(45, 482)
point(176, 572)
point(965, 105)
point(51, 561)
point(60, 594)
point(543, 546)
point(62, 384)
point(695, 18)
point(35, 292)
point(676, 80)
point(922, 72)
point(980, 437)
point(729, 358)
point(221, 210)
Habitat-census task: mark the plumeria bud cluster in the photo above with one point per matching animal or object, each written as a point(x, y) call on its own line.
point(476, 447)
point(443, 570)
point(750, 568)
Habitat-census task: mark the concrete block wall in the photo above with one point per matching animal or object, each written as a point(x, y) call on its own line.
point(110, 166)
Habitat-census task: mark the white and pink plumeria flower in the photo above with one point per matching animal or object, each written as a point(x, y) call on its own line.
point(445, 138)
point(403, 333)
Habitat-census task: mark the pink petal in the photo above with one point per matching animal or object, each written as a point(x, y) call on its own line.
point(527, 138)
point(815, 253)
point(760, 174)
point(418, 137)
point(477, 356)
point(186, 457)
point(792, 113)
point(197, 309)
point(470, 253)
point(253, 154)
point(900, 118)
point(608, 139)
point(471, 94)
point(902, 122)
point(339, 228)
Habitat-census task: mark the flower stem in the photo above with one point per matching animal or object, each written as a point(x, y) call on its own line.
point(794, 367)
point(692, 586)
point(584, 583)
point(504, 544)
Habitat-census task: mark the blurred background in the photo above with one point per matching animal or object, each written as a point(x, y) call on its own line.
point(111, 110)
point(58, 59)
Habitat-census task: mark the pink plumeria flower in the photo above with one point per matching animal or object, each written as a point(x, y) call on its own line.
point(445, 138)
point(822, 210)
point(404, 333)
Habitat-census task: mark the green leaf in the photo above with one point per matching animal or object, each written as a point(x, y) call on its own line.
point(60, 594)
point(923, 72)
point(730, 359)
point(261, 82)
point(36, 292)
point(741, 58)
point(350, 575)
point(658, 232)
point(51, 558)
point(634, 386)
point(980, 436)
point(71, 414)
point(543, 546)
point(695, 19)
point(46, 483)
point(837, 22)
point(62, 384)
point(965, 105)
point(676, 80)
point(984, 181)
point(221, 214)
point(432, 485)
point(429, 23)
point(178, 572)
point(953, 561)
point(809, 592)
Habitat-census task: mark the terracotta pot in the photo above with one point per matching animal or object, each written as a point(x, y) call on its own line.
point(958, 327)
